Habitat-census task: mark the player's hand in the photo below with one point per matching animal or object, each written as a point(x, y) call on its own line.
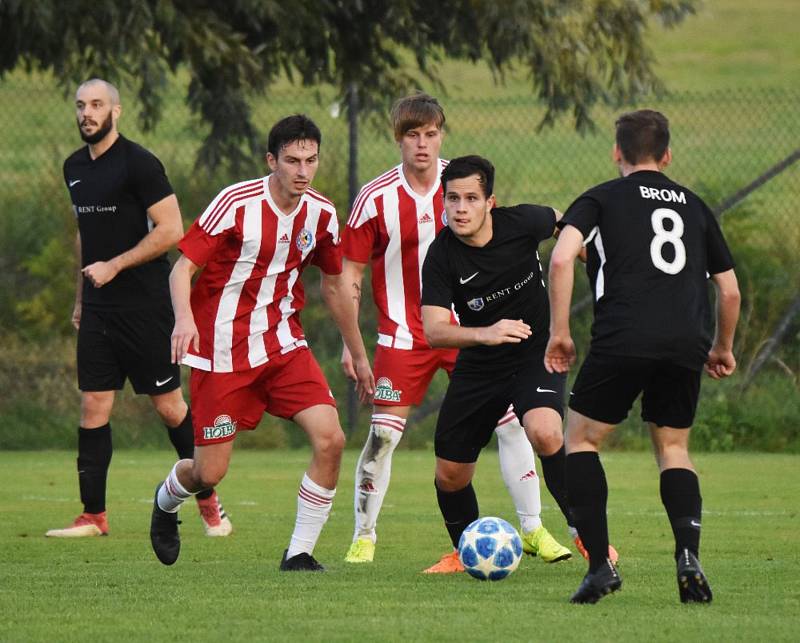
point(506, 331)
point(184, 335)
point(76, 315)
point(720, 363)
point(100, 272)
point(559, 354)
point(365, 380)
point(347, 365)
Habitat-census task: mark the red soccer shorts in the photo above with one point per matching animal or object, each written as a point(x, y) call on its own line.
point(224, 403)
point(402, 377)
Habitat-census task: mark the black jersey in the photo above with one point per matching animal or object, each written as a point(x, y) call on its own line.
point(110, 196)
point(501, 280)
point(651, 245)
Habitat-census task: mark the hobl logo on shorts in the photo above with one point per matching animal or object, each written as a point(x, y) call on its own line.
point(385, 392)
point(304, 240)
point(223, 427)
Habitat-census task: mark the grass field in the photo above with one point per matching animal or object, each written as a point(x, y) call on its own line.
point(113, 588)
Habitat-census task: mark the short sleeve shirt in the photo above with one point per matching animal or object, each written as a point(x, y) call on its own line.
point(110, 197)
point(651, 246)
point(501, 280)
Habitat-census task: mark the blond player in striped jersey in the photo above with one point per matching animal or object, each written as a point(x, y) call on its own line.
point(239, 329)
point(394, 219)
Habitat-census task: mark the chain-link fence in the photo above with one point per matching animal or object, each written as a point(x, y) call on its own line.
point(722, 143)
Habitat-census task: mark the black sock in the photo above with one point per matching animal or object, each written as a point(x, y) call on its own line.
point(182, 438)
point(554, 471)
point(94, 457)
point(588, 494)
point(459, 509)
point(680, 493)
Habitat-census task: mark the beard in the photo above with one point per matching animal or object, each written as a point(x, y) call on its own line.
point(100, 134)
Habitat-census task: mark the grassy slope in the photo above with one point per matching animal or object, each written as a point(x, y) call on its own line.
point(113, 587)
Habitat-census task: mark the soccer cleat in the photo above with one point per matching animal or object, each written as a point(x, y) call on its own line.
point(596, 585)
point(693, 586)
point(361, 551)
point(540, 543)
point(448, 564)
point(164, 536)
point(613, 556)
point(301, 562)
point(215, 520)
point(84, 525)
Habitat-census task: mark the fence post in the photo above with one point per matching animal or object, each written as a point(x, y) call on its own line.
point(352, 190)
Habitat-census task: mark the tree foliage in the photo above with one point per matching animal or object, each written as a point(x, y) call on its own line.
point(576, 52)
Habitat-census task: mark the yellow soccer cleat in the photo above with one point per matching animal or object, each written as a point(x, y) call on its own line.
point(540, 543)
point(448, 564)
point(361, 551)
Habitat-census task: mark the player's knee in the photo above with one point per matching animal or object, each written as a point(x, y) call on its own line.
point(96, 408)
point(330, 444)
point(171, 409)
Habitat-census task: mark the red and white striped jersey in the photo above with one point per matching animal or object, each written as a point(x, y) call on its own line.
point(247, 299)
point(392, 226)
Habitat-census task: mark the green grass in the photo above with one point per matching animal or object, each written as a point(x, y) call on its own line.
point(114, 589)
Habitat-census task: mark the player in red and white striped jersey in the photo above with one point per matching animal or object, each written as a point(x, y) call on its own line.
point(239, 328)
point(394, 219)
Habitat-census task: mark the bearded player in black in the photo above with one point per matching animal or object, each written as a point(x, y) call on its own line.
point(128, 217)
point(485, 265)
point(652, 245)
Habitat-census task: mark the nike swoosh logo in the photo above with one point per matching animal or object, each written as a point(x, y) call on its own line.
point(462, 281)
point(539, 389)
point(76, 181)
point(164, 382)
point(694, 523)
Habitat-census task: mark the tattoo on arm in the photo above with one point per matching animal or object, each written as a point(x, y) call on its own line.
point(356, 293)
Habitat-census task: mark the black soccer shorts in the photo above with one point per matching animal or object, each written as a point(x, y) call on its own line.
point(607, 386)
point(113, 346)
point(476, 400)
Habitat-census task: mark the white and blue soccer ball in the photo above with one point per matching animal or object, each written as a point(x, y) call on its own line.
point(490, 549)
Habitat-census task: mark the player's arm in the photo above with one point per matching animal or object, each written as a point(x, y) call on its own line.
point(560, 351)
point(337, 295)
point(441, 332)
point(180, 287)
point(353, 276)
point(557, 231)
point(76, 310)
point(167, 231)
point(721, 362)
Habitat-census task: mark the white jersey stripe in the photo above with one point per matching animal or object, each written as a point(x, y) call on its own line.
point(224, 203)
point(229, 302)
point(600, 283)
point(367, 193)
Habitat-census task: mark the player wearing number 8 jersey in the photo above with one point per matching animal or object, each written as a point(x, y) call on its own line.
point(651, 246)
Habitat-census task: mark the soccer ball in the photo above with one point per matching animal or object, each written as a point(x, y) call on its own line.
point(490, 549)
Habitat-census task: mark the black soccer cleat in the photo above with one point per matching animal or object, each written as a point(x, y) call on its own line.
point(164, 536)
point(302, 562)
point(693, 586)
point(596, 585)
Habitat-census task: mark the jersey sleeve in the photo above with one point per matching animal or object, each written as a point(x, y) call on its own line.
point(540, 219)
point(208, 230)
point(437, 289)
point(328, 253)
point(360, 233)
point(583, 213)
point(148, 178)
point(718, 255)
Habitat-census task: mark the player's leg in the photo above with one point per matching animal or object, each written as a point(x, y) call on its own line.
point(177, 418)
point(186, 479)
point(99, 376)
point(402, 378)
point(318, 486)
point(471, 408)
point(669, 405)
point(295, 388)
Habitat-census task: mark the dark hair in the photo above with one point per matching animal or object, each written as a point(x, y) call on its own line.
point(642, 135)
point(464, 166)
point(415, 110)
point(297, 127)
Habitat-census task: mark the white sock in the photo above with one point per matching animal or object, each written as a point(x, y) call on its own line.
point(172, 493)
point(518, 467)
point(313, 508)
point(373, 471)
